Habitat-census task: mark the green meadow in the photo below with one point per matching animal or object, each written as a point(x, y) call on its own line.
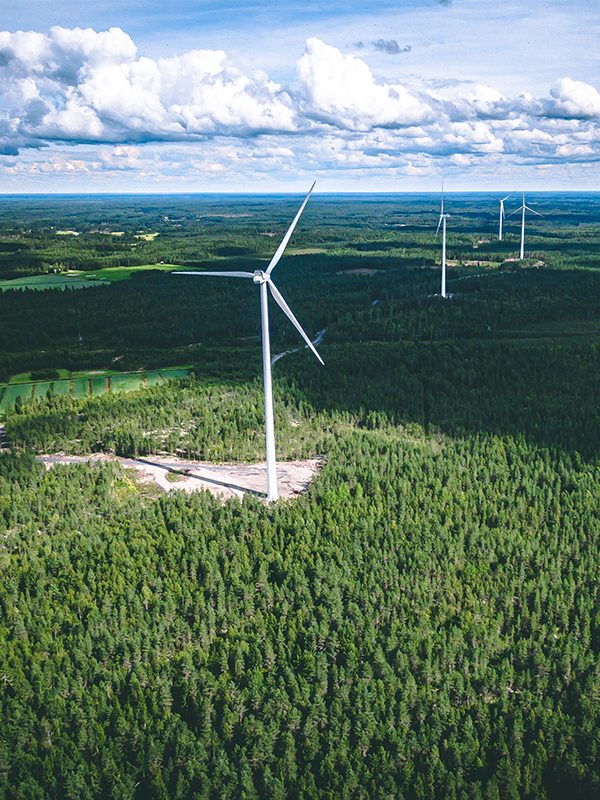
point(40, 283)
point(82, 384)
point(115, 274)
point(80, 279)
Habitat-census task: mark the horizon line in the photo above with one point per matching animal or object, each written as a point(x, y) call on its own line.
point(293, 192)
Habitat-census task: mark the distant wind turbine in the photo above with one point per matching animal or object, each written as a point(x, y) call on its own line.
point(263, 279)
point(522, 208)
point(442, 222)
point(502, 215)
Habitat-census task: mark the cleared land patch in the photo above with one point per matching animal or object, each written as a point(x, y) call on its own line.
point(167, 473)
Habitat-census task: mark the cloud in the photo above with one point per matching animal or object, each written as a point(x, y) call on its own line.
point(81, 85)
point(77, 87)
point(388, 46)
point(574, 100)
point(469, 100)
point(341, 90)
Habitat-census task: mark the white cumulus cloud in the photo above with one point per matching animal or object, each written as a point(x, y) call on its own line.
point(79, 84)
point(574, 99)
point(81, 88)
point(341, 90)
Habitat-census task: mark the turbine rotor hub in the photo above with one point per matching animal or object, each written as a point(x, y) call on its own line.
point(260, 277)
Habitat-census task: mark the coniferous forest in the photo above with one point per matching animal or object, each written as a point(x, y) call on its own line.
point(422, 623)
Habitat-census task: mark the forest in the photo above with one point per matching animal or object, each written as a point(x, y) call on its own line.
point(422, 623)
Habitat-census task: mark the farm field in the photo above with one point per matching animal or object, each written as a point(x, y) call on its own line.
point(12, 392)
point(40, 283)
point(86, 386)
point(115, 274)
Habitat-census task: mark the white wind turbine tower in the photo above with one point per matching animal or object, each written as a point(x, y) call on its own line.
point(442, 222)
point(523, 208)
point(502, 215)
point(264, 280)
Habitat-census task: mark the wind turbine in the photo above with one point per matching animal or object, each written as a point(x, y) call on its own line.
point(264, 280)
point(442, 222)
point(502, 215)
point(522, 208)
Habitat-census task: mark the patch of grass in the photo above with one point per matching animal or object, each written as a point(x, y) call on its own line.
point(147, 237)
point(174, 477)
point(41, 283)
point(306, 251)
point(80, 388)
point(62, 388)
point(27, 377)
point(39, 388)
point(12, 392)
point(21, 377)
point(114, 274)
point(99, 384)
point(172, 374)
point(126, 383)
point(152, 378)
point(77, 384)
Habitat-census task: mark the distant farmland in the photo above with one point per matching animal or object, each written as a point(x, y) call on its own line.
point(87, 386)
point(40, 283)
point(80, 279)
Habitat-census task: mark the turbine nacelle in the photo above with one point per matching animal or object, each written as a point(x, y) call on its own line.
point(441, 219)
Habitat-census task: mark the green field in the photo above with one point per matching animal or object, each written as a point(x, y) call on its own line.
point(78, 385)
point(127, 383)
point(170, 374)
point(80, 388)
point(62, 388)
point(99, 384)
point(152, 378)
point(114, 274)
point(40, 283)
point(80, 279)
point(11, 393)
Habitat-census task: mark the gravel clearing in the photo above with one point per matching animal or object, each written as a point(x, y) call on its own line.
point(172, 474)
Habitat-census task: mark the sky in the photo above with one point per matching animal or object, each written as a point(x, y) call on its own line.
point(242, 96)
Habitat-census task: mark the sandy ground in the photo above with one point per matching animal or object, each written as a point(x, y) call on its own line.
point(224, 480)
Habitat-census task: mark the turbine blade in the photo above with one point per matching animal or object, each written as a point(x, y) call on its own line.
point(279, 252)
point(516, 211)
point(534, 212)
point(437, 230)
point(507, 196)
point(277, 296)
point(217, 274)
